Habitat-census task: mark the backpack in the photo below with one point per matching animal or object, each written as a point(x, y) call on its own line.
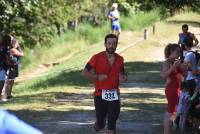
point(197, 56)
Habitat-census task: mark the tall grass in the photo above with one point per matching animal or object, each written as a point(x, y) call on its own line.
point(140, 20)
point(93, 34)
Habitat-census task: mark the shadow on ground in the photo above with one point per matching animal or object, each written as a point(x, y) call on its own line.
point(144, 72)
point(139, 72)
point(137, 115)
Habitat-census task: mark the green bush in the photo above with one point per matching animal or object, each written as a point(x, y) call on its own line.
point(92, 34)
point(140, 20)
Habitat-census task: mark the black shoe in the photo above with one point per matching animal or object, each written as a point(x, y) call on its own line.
point(9, 97)
point(96, 127)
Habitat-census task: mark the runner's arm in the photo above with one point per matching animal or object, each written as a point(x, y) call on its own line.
point(123, 76)
point(16, 52)
point(89, 72)
point(111, 17)
point(167, 70)
point(179, 41)
point(195, 72)
point(196, 42)
point(183, 69)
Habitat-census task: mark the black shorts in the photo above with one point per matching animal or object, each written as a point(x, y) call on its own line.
point(191, 84)
point(109, 109)
point(13, 72)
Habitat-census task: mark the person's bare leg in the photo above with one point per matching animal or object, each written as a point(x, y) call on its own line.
point(184, 121)
point(181, 122)
point(168, 123)
point(114, 32)
point(111, 132)
point(9, 87)
point(1, 87)
point(118, 35)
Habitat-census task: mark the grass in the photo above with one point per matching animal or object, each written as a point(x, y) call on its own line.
point(140, 20)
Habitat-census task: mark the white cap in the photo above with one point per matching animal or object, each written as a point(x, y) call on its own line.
point(115, 5)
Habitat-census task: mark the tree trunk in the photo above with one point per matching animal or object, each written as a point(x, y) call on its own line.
point(58, 28)
point(72, 25)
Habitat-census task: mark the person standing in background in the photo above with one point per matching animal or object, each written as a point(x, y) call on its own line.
point(171, 72)
point(113, 16)
point(185, 35)
point(15, 52)
point(3, 67)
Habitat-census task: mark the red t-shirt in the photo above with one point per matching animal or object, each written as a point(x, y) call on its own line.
point(100, 64)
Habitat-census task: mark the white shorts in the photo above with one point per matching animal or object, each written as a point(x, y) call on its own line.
point(2, 74)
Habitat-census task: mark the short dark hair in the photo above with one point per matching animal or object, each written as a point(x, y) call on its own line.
point(111, 36)
point(7, 40)
point(185, 26)
point(171, 48)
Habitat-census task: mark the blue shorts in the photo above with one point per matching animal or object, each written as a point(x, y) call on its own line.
point(116, 27)
point(2, 74)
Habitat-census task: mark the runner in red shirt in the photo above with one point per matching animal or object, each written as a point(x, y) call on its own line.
point(107, 70)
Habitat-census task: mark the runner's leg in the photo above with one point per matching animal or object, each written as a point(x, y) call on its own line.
point(168, 120)
point(113, 114)
point(101, 112)
point(9, 88)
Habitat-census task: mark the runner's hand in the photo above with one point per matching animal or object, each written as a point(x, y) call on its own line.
point(123, 77)
point(102, 77)
point(177, 63)
point(197, 106)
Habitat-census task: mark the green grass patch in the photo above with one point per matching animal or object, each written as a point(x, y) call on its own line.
point(140, 20)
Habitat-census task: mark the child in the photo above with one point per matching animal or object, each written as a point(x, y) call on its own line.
point(183, 105)
point(194, 116)
point(196, 72)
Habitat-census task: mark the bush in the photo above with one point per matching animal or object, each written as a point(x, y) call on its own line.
point(140, 20)
point(92, 34)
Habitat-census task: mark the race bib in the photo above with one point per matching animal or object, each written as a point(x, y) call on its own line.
point(110, 95)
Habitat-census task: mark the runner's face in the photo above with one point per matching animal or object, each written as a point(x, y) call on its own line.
point(111, 45)
point(185, 30)
point(113, 8)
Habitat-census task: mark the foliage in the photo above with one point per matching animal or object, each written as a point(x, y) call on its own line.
point(36, 22)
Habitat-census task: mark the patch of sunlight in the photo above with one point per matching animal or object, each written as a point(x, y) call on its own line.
point(188, 16)
point(124, 109)
point(72, 107)
point(149, 101)
point(75, 123)
point(142, 90)
point(33, 106)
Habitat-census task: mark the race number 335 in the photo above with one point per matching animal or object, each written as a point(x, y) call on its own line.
point(110, 95)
